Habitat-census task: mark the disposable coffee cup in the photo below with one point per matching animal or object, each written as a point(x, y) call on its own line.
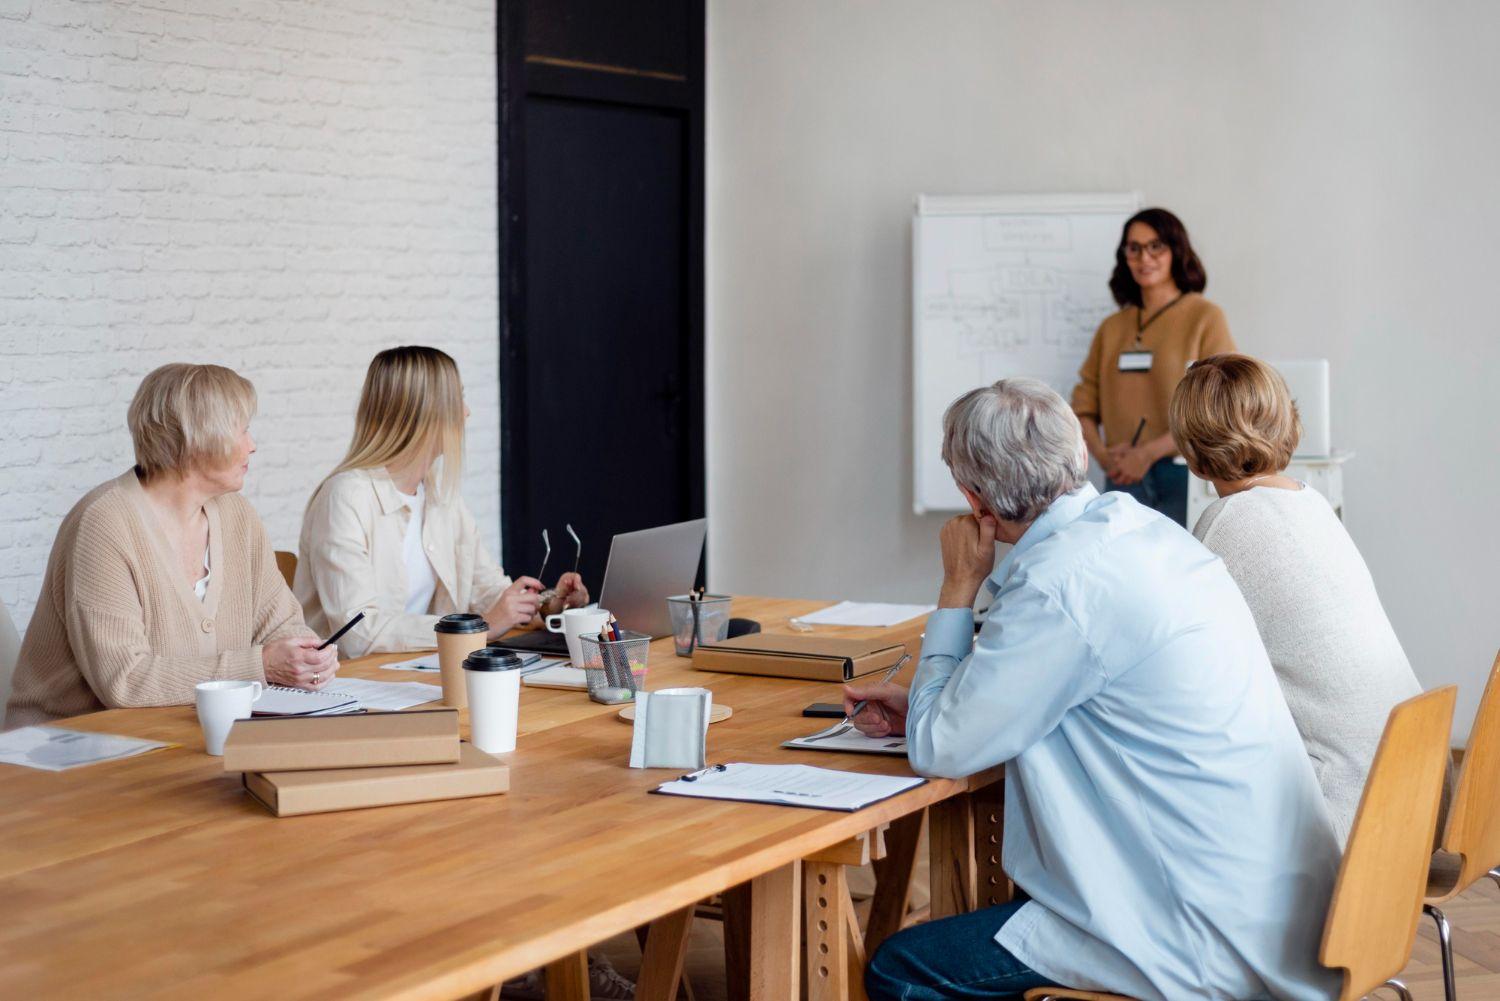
point(458, 636)
point(220, 703)
point(493, 677)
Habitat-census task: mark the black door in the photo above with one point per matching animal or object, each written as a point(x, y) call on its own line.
point(601, 370)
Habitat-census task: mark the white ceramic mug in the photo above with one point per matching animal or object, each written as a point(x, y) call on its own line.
point(573, 621)
point(220, 703)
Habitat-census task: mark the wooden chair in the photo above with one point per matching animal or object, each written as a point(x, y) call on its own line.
point(287, 563)
point(10, 651)
point(1470, 849)
point(1377, 901)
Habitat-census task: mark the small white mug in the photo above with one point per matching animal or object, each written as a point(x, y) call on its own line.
point(220, 703)
point(573, 621)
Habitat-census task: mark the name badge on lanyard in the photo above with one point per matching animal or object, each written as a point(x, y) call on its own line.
point(1135, 361)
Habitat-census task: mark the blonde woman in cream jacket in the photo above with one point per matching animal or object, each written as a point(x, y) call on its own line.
point(389, 535)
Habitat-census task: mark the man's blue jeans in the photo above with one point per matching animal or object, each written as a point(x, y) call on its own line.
point(955, 959)
point(1164, 489)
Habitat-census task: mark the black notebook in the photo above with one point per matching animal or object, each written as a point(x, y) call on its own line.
point(536, 641)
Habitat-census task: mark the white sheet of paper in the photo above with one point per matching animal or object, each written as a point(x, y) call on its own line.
point(556, 674)
point(864, 613)
point(791, 785)
point(852, 741)
point(387, 694)
point(427, 662)
point(55, 749)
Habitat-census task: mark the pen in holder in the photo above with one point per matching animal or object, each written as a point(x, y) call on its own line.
point(698, 618)
point(615, 669)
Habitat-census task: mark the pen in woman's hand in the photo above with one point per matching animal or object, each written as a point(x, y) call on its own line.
point(345, 628)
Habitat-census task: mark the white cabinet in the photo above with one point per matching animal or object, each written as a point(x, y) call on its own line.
point(1323, 474)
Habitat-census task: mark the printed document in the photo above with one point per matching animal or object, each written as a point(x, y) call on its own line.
point(863, 613)
point(387, 694)
point(55, 749)
point(790, 785)
point(854, 741)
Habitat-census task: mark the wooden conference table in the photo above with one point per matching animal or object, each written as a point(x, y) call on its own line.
point(158, 876)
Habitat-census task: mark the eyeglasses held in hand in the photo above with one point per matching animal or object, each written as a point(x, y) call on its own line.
point(547, 554)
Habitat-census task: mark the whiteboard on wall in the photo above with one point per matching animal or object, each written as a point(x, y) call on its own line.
point(1005, 285)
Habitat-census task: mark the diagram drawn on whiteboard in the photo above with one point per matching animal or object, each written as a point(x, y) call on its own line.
point(1003, 287)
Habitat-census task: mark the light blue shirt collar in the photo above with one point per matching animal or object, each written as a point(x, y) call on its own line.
point(1060, 513)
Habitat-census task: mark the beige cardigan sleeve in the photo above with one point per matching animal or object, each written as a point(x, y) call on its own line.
point(106, 628)
point(343, 572)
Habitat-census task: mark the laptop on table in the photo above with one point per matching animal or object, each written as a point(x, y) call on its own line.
point(644, 569)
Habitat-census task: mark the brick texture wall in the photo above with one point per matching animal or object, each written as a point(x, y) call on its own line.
point(281, 187)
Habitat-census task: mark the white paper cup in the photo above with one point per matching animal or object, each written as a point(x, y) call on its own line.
point(220, 703)
point(572, 621)
point(493, 678)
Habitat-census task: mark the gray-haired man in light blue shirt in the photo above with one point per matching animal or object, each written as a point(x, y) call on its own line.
point(1161, 816)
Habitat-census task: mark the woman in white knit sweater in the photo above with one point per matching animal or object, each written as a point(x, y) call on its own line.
point(1339, 662)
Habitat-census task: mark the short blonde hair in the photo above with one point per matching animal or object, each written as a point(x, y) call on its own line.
point(185, 416)
point(412, 403)
point(1233, 417)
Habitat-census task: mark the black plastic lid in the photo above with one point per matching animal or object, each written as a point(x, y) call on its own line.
point(462, 622)
point(492, 658)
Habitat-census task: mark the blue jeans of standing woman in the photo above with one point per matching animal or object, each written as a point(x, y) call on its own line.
point(954, 959)
point(1164, 488)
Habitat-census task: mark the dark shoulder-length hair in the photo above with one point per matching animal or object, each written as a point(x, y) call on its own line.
point(1187, 270)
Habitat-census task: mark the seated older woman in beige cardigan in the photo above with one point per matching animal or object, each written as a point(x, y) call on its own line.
point(163, 577)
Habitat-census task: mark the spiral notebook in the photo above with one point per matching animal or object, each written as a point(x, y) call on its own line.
point(279, 701)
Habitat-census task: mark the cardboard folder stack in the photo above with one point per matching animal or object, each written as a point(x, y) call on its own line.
point(316, 764)
point(808, 657)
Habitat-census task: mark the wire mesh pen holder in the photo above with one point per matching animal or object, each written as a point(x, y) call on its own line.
point(615, 670)
point(694, 622)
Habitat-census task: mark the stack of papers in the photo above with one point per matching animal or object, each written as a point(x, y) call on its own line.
point(54, 749)
point(864, 613)
point(555, 674)
point(790, 785)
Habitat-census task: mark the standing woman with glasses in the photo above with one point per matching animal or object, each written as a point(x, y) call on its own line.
point(1138, 356)
point(388, 533)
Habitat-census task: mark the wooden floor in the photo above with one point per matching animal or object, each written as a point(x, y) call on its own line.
point(1475, 917)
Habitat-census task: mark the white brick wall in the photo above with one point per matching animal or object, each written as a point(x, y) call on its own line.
point(281, 187)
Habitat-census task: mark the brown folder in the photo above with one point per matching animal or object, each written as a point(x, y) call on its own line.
point(290, 794)
point(358, 740)
point(810, 658)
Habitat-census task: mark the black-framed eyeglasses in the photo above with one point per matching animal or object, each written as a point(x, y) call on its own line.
point(1153, 247)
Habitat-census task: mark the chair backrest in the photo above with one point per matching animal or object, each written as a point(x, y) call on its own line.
point(1473, 828)
point(1372, 917)
point(287, 563)
point(10, 650)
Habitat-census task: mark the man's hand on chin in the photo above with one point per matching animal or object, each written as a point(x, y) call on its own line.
point(968, 558)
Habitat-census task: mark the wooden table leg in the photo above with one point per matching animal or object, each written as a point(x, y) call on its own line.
point(825, 889)
point(568, 978)
point(775, 907)
point(737, 943)
point(951, 847)
point(664, 954)
point(992, 882)
point(893, 880)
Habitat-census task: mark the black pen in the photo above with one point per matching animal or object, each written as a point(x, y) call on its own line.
point(346, 627)
point(1138, 429)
